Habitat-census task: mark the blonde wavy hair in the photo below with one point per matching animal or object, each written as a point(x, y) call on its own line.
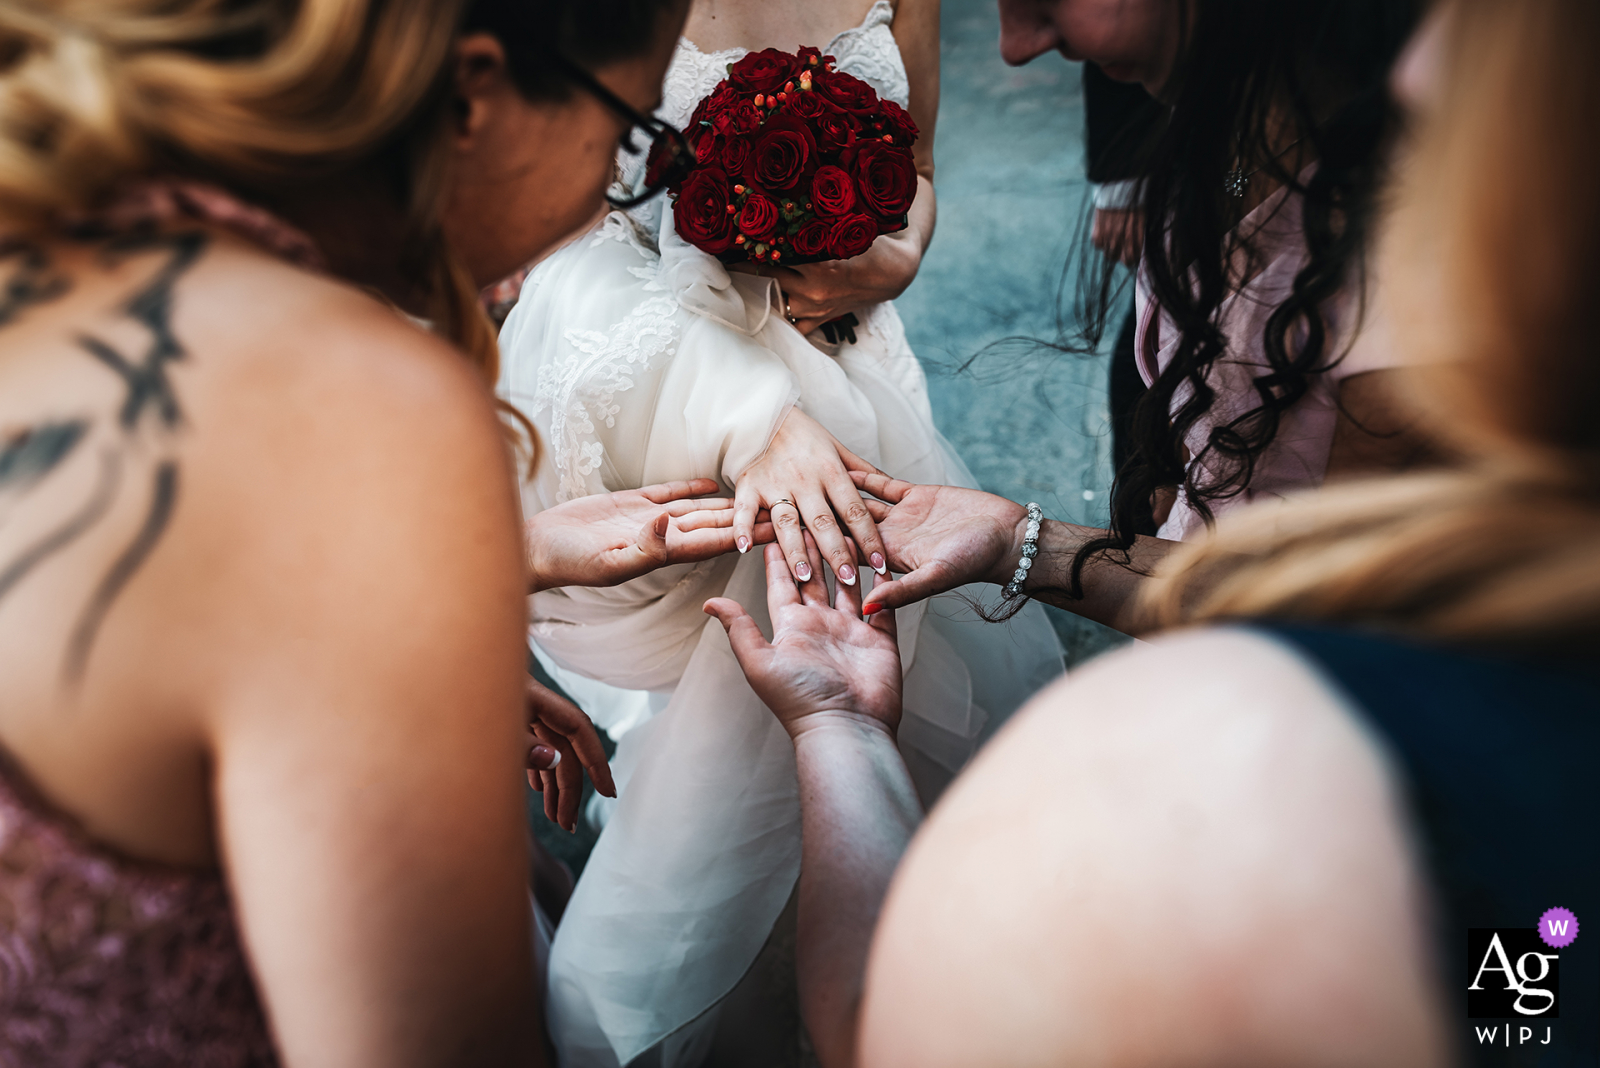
point(248, 93)
point(1490, 261)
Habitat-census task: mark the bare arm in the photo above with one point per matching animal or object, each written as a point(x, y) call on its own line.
point(833, 679)
point(1102, 889)
point(367, 730)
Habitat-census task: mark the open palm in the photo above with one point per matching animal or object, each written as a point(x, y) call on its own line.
point(609, 538)
point(824, 659)
point(939, 537)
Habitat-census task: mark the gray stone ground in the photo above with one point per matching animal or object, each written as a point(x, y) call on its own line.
point(1029, 421)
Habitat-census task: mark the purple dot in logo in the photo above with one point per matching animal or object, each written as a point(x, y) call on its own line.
point(1558, 927)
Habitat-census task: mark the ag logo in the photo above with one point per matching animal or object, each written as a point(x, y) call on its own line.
point(1511, 973)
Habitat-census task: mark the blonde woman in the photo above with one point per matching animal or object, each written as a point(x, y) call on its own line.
point(261, 574)
point(1383, 738)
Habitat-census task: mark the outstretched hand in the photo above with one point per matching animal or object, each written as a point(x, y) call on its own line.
point(609, 538)
point(825, 662)
point(562, 745)
point(940, 537)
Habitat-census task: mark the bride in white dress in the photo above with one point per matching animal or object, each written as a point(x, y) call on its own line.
point(643, 360)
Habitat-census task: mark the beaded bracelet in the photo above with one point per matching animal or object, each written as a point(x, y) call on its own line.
point(1030, 549)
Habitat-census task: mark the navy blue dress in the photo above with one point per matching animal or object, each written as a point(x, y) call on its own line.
point(1502, 764)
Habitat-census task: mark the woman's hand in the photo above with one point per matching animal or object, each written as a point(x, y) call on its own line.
point(562, 745)
point(940, 537)
point(814, 293)
point(803, 481)
point(1119, 234)
point(824, 662)
point(609, 538)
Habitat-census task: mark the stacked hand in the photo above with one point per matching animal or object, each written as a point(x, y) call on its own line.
point(825, 662)
point(608, 538)
point(803, 482)
point(940, 537)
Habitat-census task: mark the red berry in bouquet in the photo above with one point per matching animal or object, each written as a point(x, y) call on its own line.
point(795, 162)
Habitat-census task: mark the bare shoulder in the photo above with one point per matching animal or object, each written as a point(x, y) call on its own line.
point(296, 349)
point(1190, 845)
point(336, 460)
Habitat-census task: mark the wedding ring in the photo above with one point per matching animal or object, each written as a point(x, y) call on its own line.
point(786, 313)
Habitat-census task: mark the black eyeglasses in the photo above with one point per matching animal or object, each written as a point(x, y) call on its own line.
point(670, 156)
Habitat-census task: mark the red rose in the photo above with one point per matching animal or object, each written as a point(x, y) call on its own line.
point(707, 146)
point(897, 122)
point(782, 155)
point(892, 226)
point(851, 236)
point(721, 98)
point(846, 93)
point(833, 191)
point(758, 218)
point(740, 118)
point(701, 211)
point(807, 54)
point(887, 177)
point(763, 72)
point(808, 106)
point(812, 238)
point(836, 130)
point(735, 155)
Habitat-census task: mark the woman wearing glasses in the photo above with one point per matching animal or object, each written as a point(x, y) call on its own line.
point(261, 580)
point(643, 360)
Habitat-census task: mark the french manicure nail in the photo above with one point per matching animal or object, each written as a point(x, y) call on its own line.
point(878, 564)
point(803, 572)
point(847, 575)
point(744, 544)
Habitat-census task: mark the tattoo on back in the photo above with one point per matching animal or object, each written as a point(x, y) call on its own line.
point(144, 423)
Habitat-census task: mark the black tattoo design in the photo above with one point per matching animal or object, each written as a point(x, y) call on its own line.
point(70, 531)
point(33, 283)
point(147, 380)
point(29, 457)
point(163, 497)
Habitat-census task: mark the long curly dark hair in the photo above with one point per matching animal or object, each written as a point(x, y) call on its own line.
point(1255, 76)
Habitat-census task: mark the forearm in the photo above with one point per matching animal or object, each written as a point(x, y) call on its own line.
point(858, 813)
point(1112, 584)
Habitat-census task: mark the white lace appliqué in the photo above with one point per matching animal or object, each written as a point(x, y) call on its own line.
point(581, 390)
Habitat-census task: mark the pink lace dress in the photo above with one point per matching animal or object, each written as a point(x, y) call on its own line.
point(111, 962)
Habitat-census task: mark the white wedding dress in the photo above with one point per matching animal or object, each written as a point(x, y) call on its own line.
point(642, 360)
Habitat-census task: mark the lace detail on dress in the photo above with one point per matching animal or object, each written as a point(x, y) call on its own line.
point(581, 390)
point(868, 51)
point(108, 961)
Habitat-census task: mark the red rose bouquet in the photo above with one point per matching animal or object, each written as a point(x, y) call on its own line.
point(795, 162)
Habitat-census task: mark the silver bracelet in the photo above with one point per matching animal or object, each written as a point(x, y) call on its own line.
point(1030, 549)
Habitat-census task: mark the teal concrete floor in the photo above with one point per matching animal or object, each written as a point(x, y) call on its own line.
point(1030, 421)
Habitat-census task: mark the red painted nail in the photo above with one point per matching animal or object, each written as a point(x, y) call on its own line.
point(872, 609)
